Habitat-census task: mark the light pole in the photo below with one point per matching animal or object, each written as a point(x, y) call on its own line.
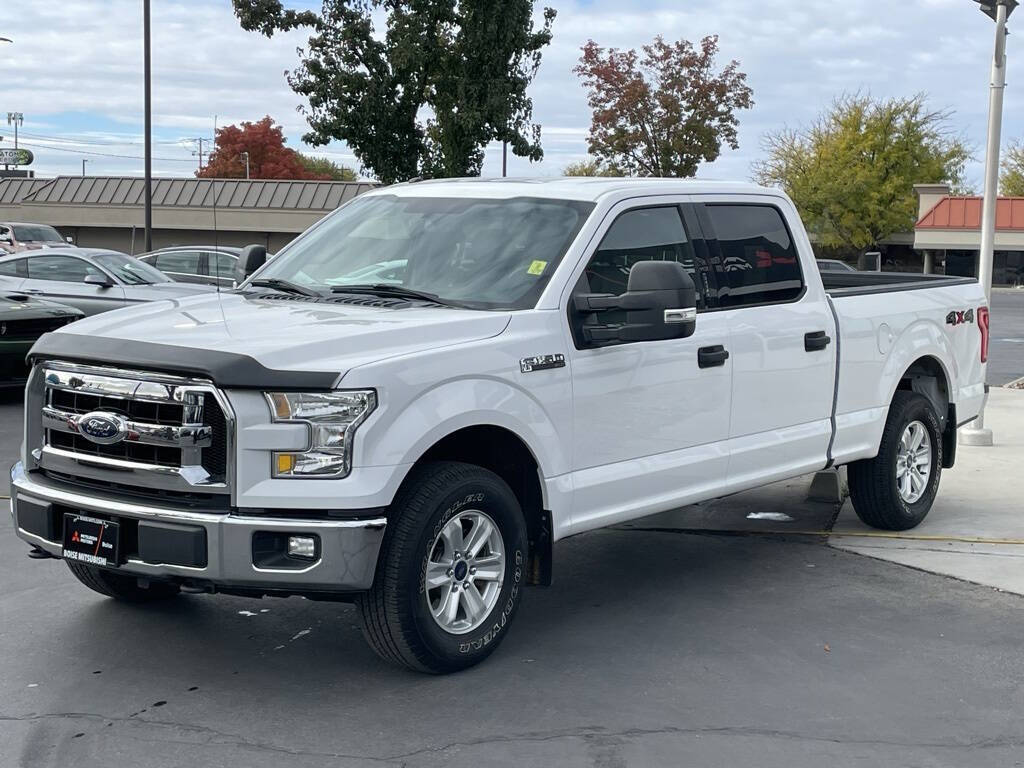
point(245, 157)
point(999, 11)
point(84, 161)
point(148, 99)
point(15, 118)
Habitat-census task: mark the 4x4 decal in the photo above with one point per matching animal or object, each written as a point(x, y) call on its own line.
point(959, 318)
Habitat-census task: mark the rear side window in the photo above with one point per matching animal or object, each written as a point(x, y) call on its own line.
point(759, 260)
point(221, 264)
point(182, 262)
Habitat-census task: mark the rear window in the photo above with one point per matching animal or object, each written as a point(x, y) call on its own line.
point(759, 258)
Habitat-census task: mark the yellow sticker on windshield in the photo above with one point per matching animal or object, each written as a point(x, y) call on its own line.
point(537, 268)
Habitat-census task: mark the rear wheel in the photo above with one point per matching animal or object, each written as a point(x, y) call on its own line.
point(451, 570)
point(895, 490)
point(121, 586)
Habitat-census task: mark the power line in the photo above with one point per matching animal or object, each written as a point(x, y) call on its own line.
point(71, 139)
point(103, 154)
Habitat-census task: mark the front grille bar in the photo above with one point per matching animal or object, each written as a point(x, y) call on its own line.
point(186, 436)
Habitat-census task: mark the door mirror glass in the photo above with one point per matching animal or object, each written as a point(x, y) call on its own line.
point(660, 303)
point(101, 281)
point(250, 259)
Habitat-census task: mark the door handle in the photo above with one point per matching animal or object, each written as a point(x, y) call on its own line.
point(816, 341)
point(33, 291)
point(712, 357)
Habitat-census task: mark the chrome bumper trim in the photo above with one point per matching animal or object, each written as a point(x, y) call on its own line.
point(347, 563)
point(190, 478)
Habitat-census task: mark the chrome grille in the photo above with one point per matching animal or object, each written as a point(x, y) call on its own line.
point(147, 429)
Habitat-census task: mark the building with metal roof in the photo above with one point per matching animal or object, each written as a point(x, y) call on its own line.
point(107, 211)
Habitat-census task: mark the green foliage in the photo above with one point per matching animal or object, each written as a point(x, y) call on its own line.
point(591, 168)
point(1011, 181)
point(662, 112)
point(326, 168)
point(852, 172)
point(424, 95)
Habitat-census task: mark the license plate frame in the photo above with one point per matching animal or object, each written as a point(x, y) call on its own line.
point(91, 540)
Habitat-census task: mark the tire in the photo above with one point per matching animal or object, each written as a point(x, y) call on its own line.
point(433, 509)
point(121, 586)
point(875, 488)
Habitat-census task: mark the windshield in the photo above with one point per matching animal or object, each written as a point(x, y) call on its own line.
point(485, 254)
point(129, 270)
point(36, 233)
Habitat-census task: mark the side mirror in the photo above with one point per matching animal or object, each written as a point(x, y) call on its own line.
point(99, 280)
point(250, 259)
point(660, 303)
point(5, 237)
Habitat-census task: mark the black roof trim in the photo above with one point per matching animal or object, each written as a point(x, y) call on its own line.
point(225, 369)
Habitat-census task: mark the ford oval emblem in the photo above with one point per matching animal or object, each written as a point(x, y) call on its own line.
point(102, 427)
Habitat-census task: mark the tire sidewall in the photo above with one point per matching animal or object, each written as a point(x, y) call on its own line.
point(922, 411)
point(492, 497)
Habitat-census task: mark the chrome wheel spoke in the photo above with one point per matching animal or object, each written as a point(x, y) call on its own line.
point(478, 536)
point(474, 604)
point(914, 462)
point(437, 574)
point(452, 536)
point(490, 568)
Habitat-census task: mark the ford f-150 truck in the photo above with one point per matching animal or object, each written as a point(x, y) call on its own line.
point(424, 392)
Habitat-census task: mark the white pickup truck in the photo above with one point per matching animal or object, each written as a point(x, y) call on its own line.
point(414, 400)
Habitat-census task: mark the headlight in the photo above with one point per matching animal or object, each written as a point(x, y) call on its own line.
point(333, 418)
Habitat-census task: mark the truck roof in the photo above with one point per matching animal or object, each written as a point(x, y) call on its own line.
point(567, 188)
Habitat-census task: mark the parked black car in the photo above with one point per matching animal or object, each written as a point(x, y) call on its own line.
point(212, 265)
point(23, 319)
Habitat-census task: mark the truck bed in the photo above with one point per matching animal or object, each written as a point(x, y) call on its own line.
point(840, 284)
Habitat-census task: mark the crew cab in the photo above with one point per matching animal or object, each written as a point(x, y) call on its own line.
point(545, 358)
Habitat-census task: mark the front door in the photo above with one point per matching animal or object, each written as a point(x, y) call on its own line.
point(62, 279)
point(650, 423)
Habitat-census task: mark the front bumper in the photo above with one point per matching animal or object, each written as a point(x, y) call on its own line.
point(347, 554)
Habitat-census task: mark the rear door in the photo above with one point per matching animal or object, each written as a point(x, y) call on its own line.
point(62, 279)
point(181, 266)
point(781, 340)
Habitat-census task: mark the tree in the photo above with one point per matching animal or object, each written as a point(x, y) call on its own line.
point(852, 172)
point(424, 97)
point(269, 158)
point(590, 168)
point(326, 168)
point(1011, 182)
point(662, 112)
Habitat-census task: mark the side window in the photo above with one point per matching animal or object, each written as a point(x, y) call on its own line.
point(222, 265)
point(15, 268)
point(758, 256)
point(182, 262)
point(645, 234)
point(64, 268)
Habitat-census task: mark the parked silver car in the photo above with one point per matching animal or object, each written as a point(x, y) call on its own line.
point(90, 279)
point(213, 265)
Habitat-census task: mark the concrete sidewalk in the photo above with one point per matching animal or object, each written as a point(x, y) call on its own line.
point(975, 531)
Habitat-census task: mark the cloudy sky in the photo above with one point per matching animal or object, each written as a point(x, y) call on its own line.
point(75, 72)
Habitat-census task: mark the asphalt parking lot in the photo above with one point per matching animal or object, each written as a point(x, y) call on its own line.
point(1006, 363)
point(652, 648)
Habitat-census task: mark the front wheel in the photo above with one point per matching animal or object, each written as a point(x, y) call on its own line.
point(451, 570)
point(895, 490)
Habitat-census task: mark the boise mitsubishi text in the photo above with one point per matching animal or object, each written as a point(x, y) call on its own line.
point(417, 398)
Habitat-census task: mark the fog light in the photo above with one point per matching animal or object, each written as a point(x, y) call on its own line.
point(302, 546)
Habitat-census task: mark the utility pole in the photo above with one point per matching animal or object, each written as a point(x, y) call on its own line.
point(84, 161)
point(999, 11)
point(147, 74)
point(245, 157)
point(200, 153)
point(15, 118)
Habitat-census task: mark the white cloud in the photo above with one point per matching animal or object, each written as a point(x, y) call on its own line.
point(85, 57)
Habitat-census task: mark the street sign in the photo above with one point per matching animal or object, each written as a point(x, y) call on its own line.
point(16, 157)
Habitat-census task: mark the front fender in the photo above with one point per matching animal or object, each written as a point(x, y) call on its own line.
point(407, 434)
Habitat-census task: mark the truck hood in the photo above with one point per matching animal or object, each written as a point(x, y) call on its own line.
point(279, 333)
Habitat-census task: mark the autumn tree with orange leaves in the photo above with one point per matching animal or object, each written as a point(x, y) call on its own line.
point(664, 110)
point(269, 158)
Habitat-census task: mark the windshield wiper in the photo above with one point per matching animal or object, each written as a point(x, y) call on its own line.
point(397, 291)
point(287, 286)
